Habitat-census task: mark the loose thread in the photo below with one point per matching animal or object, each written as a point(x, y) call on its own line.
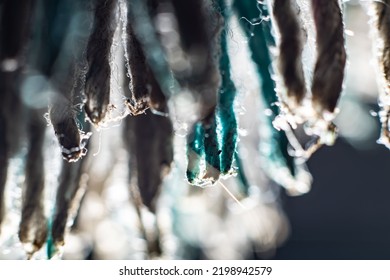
point(232, 195)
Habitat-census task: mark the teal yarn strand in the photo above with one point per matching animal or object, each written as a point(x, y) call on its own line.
point(241, 176)
point(195, 153)
point(50, 248)
point(203, 147)
point(275, 145)
point(212, 151)
point(220, 129)
point(227, 94)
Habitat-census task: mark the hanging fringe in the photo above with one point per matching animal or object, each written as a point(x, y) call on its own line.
point(33, 224)
point(380, 12)
point(71, 189)
point(145, 31)
point(157, 101)
point(226, 96)
point(315, 116)
point(331, 56)
point(212, 150)
point(15, 22)
point(59, 63)
point(171, 47)
point(97, 83)
point(274, 145)
point(290, 52)
point(204, 85)
point(149, 140)
point(195, 152)
point(62, 117)
point(137, 71)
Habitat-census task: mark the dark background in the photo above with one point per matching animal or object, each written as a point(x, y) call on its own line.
point(346, 214)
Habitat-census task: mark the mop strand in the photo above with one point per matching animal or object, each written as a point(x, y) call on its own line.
point(97, 83)
point(379, 13)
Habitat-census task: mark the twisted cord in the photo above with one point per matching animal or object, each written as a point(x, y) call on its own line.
point(97, 83)
point(331, 55)
point(381, 17)
point(290, 50)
